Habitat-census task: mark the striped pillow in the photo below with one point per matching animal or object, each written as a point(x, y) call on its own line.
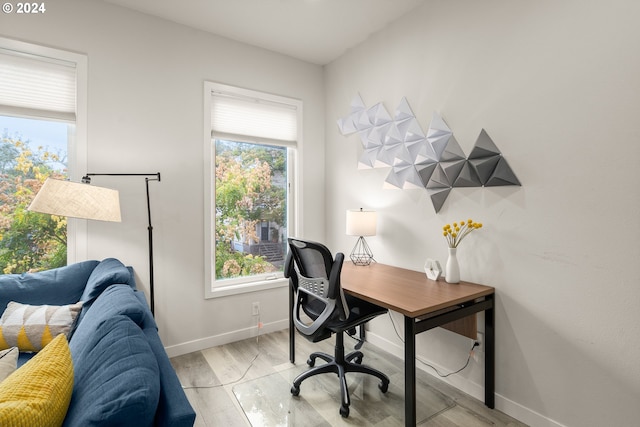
point(32, 327)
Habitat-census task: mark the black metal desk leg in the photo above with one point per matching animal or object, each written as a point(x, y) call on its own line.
point(409, 372)
point(292, 331)
point(490, 355)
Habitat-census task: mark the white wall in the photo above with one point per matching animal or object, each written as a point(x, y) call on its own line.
point(145, 114)
point(556, 85)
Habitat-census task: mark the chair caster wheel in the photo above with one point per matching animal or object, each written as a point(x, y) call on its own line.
point(358, 360)
point(344, 411)
point(311, 362)
point(383, 386)
point(295, 390)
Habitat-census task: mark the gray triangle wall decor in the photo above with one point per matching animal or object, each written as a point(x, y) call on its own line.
point(467, 177)
point(438, 197)
point(484, 147)
point(433, 159)
point(502, 175)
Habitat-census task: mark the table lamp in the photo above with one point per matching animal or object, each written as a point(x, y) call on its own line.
point(361, 223)
point(84, 201)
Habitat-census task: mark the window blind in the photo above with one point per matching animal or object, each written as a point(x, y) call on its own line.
point(36, 86)
point(233, 114)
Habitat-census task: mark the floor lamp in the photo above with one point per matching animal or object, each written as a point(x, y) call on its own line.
point(84, 201)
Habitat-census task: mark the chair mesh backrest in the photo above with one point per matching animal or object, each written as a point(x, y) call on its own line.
point(314, 281)
point(312, 259)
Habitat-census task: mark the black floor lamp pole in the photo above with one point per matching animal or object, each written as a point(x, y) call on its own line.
point(150, 227)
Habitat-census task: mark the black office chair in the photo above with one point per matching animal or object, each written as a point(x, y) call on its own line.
point(315, 278)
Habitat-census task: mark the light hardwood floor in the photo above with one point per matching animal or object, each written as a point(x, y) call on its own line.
point(247, 383)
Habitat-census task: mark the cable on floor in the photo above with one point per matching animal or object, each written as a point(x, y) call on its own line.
point(475, 344)
point(246, 371)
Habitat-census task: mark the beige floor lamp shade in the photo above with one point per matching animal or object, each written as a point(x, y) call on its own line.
point(76, 200)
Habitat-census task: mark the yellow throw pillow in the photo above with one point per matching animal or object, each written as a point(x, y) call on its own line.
point(39, 392)
point(31, 327)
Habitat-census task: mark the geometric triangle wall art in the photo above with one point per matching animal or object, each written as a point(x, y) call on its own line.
point(433, 159)
point(491, 168)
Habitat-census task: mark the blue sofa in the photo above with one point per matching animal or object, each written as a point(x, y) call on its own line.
point(122, 375)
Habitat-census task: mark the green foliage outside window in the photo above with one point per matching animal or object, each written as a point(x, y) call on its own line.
point(29, 241)
point(250, 190)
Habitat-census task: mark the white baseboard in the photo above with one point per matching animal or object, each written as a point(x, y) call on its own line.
point(507, 406)
point(226, 338)
point(524, 414)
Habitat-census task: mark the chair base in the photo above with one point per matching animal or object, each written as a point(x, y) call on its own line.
point(340, 365)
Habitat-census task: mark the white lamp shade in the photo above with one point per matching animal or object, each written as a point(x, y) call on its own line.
point(72, 199)
point(361, 222)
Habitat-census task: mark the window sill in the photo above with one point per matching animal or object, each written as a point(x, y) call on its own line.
point(225, 291)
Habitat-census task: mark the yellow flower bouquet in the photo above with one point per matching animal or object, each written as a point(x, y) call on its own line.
point(454, 233)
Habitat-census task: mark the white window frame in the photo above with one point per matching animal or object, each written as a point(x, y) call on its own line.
point(257, 282)
point(77, 236)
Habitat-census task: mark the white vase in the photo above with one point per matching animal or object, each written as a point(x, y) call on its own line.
point(452, 269)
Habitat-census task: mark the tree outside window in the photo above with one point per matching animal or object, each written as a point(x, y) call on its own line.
point(250, 208)
point(29, 241)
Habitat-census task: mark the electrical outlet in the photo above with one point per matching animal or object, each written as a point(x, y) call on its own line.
point(480, 340)
point(255, 309)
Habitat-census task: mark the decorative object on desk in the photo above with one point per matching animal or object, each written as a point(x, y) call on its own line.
point(452, 268)
point(432, 269)
point(361, 223)
point(454, 235)
point(433, 160)
point(84, 201)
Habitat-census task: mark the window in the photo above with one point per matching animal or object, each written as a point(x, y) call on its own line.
point(42, 98)
point(251, 140)
point(30, 151)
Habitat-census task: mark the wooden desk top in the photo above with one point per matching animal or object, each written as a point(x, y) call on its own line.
point(406, 291)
